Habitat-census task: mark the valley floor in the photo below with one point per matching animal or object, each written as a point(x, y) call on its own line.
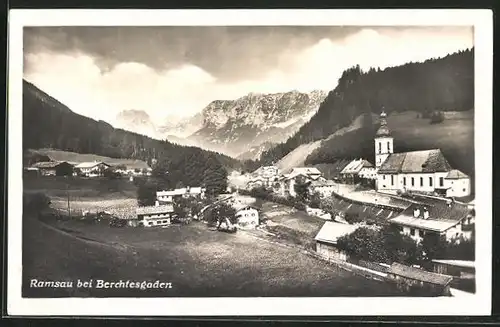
point(196, 260)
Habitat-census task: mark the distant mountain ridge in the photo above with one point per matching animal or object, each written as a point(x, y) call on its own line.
point(235, 126)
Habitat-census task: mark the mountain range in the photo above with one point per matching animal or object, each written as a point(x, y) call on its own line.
point(242, 128)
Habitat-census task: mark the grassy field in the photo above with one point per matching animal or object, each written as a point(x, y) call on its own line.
point(197, 261)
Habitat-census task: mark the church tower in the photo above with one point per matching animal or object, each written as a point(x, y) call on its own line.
point(383, 142)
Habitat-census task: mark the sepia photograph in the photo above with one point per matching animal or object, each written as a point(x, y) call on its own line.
point(224, 162)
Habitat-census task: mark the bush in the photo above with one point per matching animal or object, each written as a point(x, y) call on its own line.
point(146, 194)
point(33, 202)
point(437, 117)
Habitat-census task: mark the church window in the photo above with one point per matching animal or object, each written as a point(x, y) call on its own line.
point(383, 177)
point(430, 181)
point(388, 146)
point(441, 181)
point(392, 179)
point(379, 147)
point(404, 181)
point(421, 181)
point(412, 181)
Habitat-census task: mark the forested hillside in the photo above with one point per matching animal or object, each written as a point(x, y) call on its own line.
point(47, 123)
point(445, 84)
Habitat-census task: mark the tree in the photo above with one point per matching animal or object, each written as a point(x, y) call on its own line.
point(182, 207)
point(315, 200)
point(219, 213)
point(301, 188)
point(146, 194)
point(64, 170)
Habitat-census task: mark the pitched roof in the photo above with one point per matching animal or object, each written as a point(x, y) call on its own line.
point(443, 214)
point(306, 171)
point(151, 210)
point(332, 231)
point(181, 191)
point(419, 274)
point(355, 166)
point(457, 263)
point(48, 164)
point(456, 174)
point(426, 161)
point(91, 164)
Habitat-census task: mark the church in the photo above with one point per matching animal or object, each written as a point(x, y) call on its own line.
point(425, 171)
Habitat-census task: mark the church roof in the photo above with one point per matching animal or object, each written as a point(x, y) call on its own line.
point(456, 174)
point(426, 161)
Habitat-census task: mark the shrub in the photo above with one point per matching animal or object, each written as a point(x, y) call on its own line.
point(146, 194)
point(437, 117)
point(33, 202)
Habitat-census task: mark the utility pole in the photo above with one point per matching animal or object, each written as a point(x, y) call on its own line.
point(67, 192)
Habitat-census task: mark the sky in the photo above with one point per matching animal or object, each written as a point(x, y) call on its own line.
point(174, 72)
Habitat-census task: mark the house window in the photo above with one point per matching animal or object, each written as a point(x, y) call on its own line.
point(421, 181)
point(441, 181)
point(392, 179)
point(404, 181)
point(412, 231)
point(430, 181)
point(413, 181)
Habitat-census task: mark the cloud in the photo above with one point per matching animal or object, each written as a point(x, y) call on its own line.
point(79, 79)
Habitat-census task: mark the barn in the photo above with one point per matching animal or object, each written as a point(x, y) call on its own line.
point(326, 240)
point(419, 281)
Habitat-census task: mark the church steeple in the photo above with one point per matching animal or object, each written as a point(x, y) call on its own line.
point(383, 141)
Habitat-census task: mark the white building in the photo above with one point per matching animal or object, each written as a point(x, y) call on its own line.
point(158, 215)
point(359, 168)
point(303, 174)
point(247, 216)
point(185, 192)
point(435, 216)
point(425, 171)
point(325, 188)
point(92, 169)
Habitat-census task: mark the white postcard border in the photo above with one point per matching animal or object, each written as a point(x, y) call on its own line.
point(478, 304)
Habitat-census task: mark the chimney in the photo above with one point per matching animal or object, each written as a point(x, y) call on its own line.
point(426, 213)
point(416, 212)
point(157, 203)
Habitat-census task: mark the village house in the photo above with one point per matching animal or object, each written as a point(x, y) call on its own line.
point(136, 168)
point(54, 168)
point(302, 174)
point(464, 269)
point(422, 171)
point(324, 188)
point(185, 192)
point(326, 240)
point(157, 215)
point(247, 216)
point(419, 280)
point(256, 182)
point(357, 169)
point(435, 217)
point(92, 169)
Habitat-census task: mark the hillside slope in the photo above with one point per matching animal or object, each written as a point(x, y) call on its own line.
point(50, 124)
point(300, 154)
point(445, 84)
point(454, 136)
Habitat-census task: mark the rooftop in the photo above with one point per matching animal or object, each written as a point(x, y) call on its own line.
point(456, 174)
point(151, 210)
point(457, 263)
point(332, 231)
point(443, 214)
point(355, 166)
point(90, 164)
point(419, 274)
point(426, 161)
point(48, 164)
